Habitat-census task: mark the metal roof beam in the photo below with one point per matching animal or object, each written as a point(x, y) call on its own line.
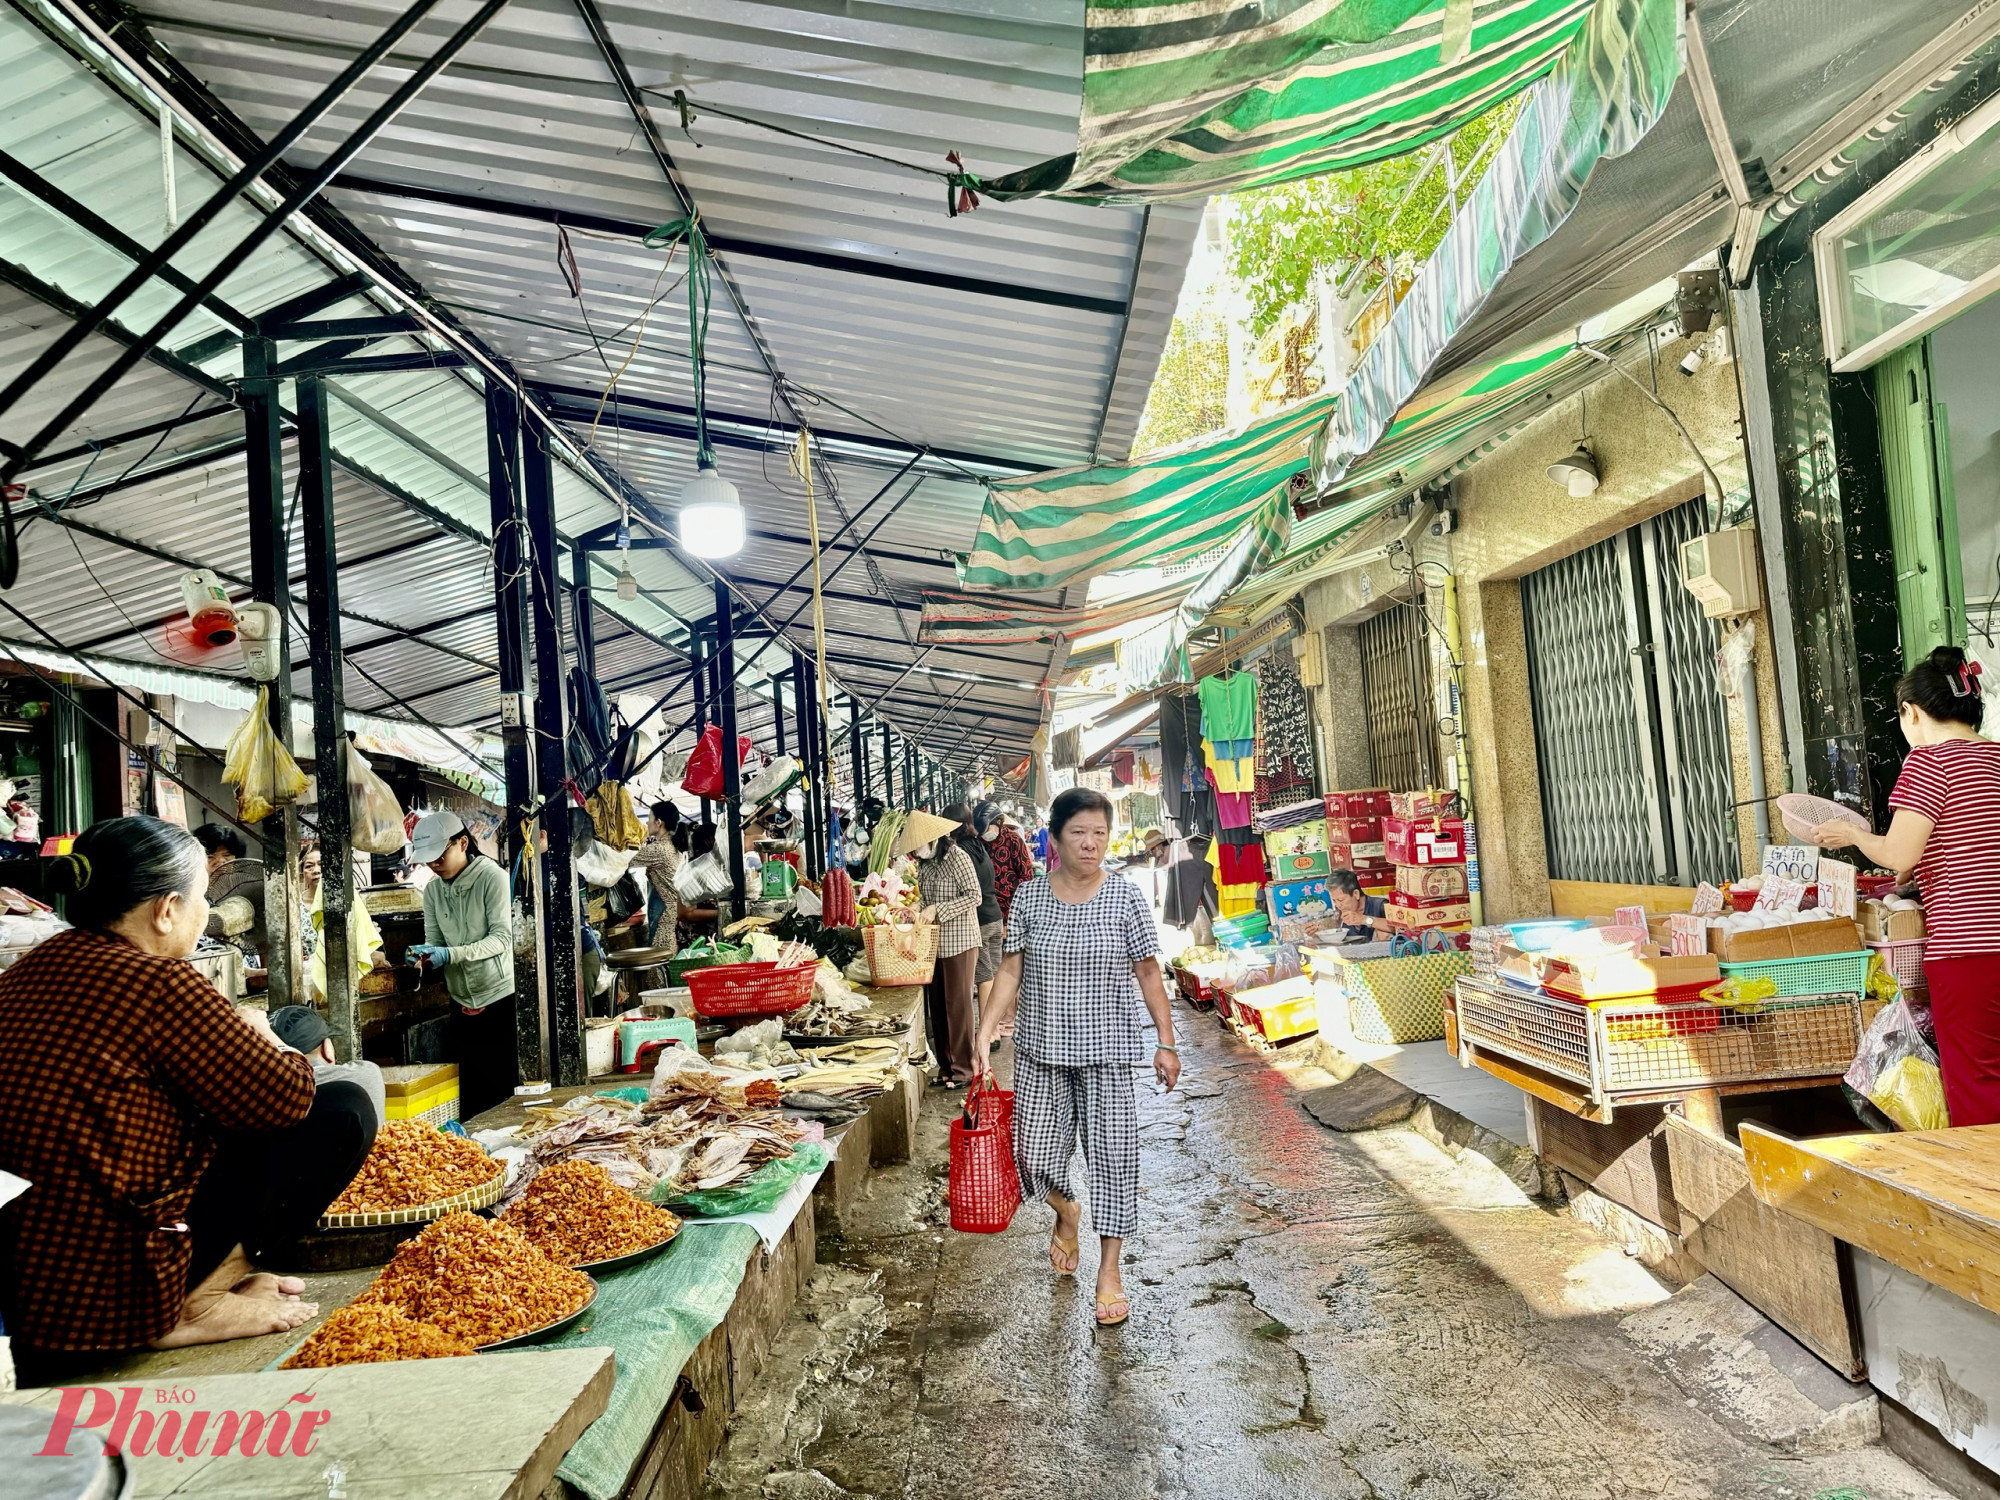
point(132, 435)
point(668, 419)
point(723, 244)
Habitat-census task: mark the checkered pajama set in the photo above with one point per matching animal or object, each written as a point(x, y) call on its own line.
point(1077, 1037)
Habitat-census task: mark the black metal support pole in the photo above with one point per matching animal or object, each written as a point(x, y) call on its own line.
point(910, 793)
point(581, 619)
point(270, 583)
point(558, 970)
point(698, 645)
point(802, 686)
point(510, 611)
point(857, 763)
point(778, 713)
point(888, 768)
point(336, 880)
point(822, 782)
point(725, 661)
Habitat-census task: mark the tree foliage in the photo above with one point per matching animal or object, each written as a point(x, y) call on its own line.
point(1280, 237)
point(1190, 394)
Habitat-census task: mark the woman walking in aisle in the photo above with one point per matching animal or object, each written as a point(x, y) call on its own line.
point(992, 925)
point(1946, 828)
point(1082, 970)
point(950, 893)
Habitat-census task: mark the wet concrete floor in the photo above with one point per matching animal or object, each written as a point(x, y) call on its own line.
point(1313, 1315)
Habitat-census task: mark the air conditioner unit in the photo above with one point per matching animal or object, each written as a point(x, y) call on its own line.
point(1720, 569)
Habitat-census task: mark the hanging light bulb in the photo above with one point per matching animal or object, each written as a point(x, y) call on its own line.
point(628, 586)
point(711, 515)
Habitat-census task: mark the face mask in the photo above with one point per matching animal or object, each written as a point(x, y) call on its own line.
point(990, 835)
point(925, 851)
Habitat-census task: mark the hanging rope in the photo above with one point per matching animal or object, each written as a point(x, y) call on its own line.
point(802, 466)
point(961, 188)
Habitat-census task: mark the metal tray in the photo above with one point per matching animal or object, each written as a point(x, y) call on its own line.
point(547, 1330)
point(631, 1258)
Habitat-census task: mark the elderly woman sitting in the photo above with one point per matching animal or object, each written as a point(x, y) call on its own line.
point(165, 1135)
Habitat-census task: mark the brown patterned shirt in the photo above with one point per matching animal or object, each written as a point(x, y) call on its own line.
point(117, 1068)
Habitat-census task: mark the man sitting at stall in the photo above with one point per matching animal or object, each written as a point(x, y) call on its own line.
point(304, 1029)
point(1366, 917)
point(235, 892)
point(166, 1136)
point(469, 936)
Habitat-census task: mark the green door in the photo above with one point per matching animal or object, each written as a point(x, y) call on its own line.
point(1923, 524)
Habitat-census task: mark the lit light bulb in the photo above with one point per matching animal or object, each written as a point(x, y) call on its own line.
point(711, 515)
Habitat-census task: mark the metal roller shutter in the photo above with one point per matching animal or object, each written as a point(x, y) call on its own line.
point(1396, 692)
point(1632, 745)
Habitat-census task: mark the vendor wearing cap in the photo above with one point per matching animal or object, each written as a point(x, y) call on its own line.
point(304, 1029)
point(469, 934)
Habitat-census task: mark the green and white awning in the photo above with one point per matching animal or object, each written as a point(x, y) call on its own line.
point(1050, 529)
point(1185, 98)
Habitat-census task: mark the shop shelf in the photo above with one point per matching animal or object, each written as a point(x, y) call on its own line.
point(1827, 974)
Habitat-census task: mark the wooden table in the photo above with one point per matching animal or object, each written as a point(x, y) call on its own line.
point(1926, 1200)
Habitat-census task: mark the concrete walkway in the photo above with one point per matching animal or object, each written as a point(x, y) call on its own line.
point(1314, 1314)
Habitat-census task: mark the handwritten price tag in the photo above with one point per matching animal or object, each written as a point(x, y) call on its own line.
point(1707, 900)
point(1798, 862)
point(1630, 916)
point(1687, 934)
point(1836, 887)
point(1780, 896)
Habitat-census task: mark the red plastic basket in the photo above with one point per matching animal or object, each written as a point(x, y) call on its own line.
point(750, 989)
point(985, 1185)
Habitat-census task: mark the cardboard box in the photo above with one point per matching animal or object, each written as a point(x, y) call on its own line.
point(1431, 882)
point(1358, 857)
point(1298, 866)
point(1427, 841)
point(1354, 830)
point(1430, 802)
point(1617, 975)
point(1301, 838)
point(1298, 898)
point(1793, 940)
point(1369, 802)
point(1879, 924)
point(1413, 915)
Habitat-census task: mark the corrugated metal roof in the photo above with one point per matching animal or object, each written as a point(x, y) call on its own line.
point(1024, 358)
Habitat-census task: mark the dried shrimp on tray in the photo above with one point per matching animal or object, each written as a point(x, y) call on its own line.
point(413, 1174)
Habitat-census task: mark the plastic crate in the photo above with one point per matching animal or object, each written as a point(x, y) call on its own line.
point(750, 989)
point(1905, 960)
point(1826, 974)
point(1391, 1001)
point(1283, 1022)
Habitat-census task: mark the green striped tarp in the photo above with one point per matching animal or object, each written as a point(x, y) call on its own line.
point(1185, 98)
point(1046, 530)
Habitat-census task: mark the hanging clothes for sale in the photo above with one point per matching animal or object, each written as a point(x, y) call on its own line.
point(1121, 767)
point(1183, 775)
point(1242, 864)
point(1229, 713)
point(1230, 775)
point(1066, 750)
point(1231, 900)
point(1284, 757)
point(1190, 884)
point(1232, 809)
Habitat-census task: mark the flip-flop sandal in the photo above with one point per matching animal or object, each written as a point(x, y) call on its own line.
point(1109, 1302)
point(1069, 1248)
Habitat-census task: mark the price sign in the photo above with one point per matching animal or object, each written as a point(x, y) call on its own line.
point(1798, 862)
point(1707, 900)
point(1836, 887)
point(1780, 896)
point(1630, 916)
point(1687, 934)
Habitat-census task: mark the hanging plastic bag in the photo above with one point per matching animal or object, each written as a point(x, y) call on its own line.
point(780, 776)
point(603, 866)
point(611, 815)
point(257, 764)
point(1896, 1068)
point(376, 815)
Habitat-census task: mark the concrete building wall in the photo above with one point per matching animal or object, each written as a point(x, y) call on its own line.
point(1511, 520)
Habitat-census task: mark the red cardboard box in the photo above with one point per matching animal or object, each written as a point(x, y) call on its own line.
point(1353, 830)
point(1410, 913)
point(1370, 802)
point(1358, 857)
point(1424, 841)
point(1429, 803)
point(1431, 882)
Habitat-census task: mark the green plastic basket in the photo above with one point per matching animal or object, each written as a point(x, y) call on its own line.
point(1824, 974)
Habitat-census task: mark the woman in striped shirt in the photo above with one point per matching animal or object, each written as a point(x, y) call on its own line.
point(1947, 828)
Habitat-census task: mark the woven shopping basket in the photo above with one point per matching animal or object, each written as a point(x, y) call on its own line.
point(985, 1185)
point(902, 953)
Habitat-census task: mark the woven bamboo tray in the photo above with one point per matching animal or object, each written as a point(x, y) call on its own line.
point(485, 1195)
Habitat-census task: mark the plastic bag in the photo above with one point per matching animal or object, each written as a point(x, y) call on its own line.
point(703, 776)
point(376, 815)
point(1896, 1068)
point(760, 1190)
point(603, 866)
point(262, 770)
